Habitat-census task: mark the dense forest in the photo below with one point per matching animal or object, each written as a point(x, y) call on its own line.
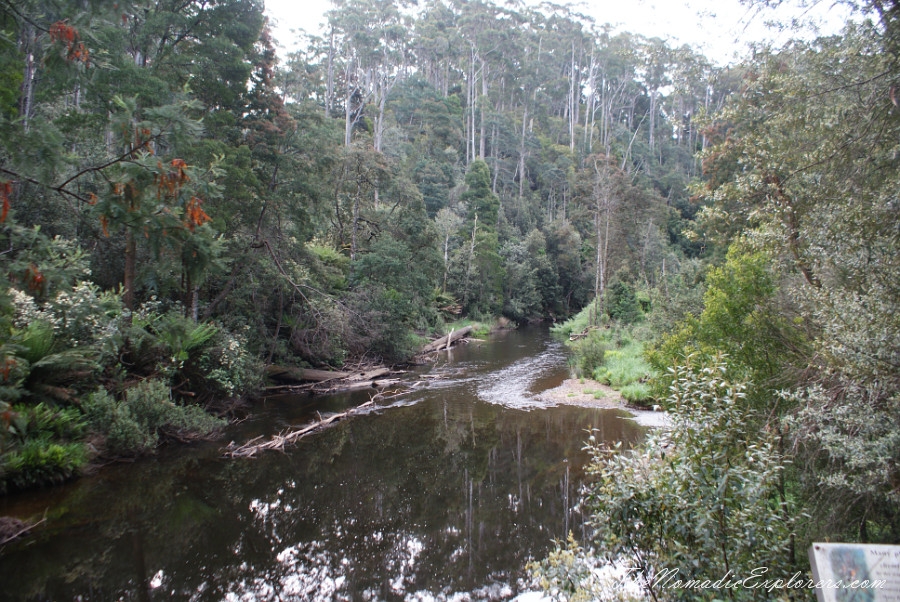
point(181, 208)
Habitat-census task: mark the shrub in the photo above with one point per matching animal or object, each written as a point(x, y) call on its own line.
point(622, 303)
point(701, 501)
point(132, 426)
point(228, 368)
point(589, 353)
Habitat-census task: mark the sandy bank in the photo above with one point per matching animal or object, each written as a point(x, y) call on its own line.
point(590, 393)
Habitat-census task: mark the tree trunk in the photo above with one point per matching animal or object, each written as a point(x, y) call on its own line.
point(348, 108)
point(522, 155)
point(26, 100)
point(128, 276)
point(355, 226)
point(446, 341)
point(469, 265)
point(446, 261)
point(484, 95)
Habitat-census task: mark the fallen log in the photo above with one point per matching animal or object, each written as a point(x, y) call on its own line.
point(446, 341)
point(365, 384)
point(576, 336)
point(300, 375)
point(371, 379)
point(369, 375)
point(277, 442)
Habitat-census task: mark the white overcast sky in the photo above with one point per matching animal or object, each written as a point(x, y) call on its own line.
point(719, 28)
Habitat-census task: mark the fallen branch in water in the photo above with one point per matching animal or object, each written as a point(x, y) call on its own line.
point(277, 442)
point(445, 342)
point(19, 527)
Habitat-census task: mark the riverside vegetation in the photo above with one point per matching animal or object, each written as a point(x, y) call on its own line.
point(179, 209)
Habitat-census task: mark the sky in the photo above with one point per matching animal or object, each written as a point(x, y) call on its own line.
point(721, 29)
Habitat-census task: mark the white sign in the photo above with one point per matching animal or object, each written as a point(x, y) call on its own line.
point(849, 572)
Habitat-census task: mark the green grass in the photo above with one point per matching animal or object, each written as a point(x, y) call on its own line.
point(479, 329)
point(637, 393)
point(577, 323)
point(621, 365)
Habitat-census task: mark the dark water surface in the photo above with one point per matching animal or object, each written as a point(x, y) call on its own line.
point(444, 493)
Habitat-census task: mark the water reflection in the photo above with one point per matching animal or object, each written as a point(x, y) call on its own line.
point(438, 493)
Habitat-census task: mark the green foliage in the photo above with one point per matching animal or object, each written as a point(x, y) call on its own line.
point(329, 266)
point(180, 336)
point(41, 419)
point(848, 440)
point(589, 352)
point(624, 366)
point(702, 499)
point(678, 295)
point(739, 319)
point(132, 425)
point(43, 448)
point(115, 421)
point(227, 368)
point(637, 392)
point(579, 322)
point(482, 202)
point(381, 325)
point(622, 303)
point(40, 461)
point(574, 574)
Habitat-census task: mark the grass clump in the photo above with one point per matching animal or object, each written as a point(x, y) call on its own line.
point(638, 393)
point(623, 366)
point(479, 329)
point(612, 354)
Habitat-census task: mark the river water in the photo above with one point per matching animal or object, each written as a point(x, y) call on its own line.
point(444, 493)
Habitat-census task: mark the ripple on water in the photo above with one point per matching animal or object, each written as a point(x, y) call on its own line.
point(512, 387)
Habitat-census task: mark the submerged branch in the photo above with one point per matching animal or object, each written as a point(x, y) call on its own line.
point(278, 442)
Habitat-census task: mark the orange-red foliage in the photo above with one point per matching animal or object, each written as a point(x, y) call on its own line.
point(34, 279)
point(75, 49)
point(170, 183)
point(194, 213)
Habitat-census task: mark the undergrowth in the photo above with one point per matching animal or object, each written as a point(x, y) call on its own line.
point(612, 354)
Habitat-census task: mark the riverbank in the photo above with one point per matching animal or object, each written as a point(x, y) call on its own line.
point(586, 392)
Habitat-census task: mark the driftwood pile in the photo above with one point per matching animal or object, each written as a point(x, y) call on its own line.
point(291, 380)
point(577, 336)
point(296, 380)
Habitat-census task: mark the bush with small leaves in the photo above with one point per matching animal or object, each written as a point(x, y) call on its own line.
point(701, 501)
point(589, 353)
point(132, 425)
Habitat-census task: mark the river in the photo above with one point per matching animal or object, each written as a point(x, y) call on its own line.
point(441, 494)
